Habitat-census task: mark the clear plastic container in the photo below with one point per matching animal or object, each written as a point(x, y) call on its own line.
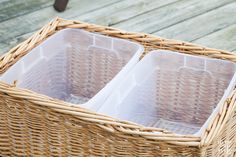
point(173, 91)
point(75, 65)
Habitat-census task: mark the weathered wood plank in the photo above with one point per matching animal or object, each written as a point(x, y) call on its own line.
point(132, 15)
point(13, 8)
point(7, 45)
point(166, 16)
point(33, 21)
point(122, 11)
point(106, 16)
point(201, 25)
point(224, 39)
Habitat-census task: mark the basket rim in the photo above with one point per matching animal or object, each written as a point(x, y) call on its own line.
point(105, 122)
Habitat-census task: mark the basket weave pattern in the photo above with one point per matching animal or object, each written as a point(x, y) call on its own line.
point(36, 125)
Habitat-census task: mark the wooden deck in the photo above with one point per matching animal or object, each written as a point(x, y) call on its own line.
point(207, 22)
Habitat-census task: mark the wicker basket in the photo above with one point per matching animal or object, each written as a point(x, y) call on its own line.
point(75, 66)
point(36, 125)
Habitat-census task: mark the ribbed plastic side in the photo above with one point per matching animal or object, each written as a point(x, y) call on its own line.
point(73, 65)
point(170, 90)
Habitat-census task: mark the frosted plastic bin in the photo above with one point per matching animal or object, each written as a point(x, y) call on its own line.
point(173, 91)
point(74, 65)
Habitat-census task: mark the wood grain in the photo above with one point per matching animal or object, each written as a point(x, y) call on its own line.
point(33, 21)
point(170, 15)
point(106, 15)
point(14, 8)
point(189, 20)
point(224, 39)
point(201, 25)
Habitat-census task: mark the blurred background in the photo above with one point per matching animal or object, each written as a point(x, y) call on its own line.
point(207, 22)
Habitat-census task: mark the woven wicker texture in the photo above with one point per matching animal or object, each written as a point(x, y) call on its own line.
point(36, 125)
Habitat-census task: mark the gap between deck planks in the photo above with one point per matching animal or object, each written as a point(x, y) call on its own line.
point(204, 24)
point(133, 15)
point(14, 8)
point(128, 8)
point(223, 39)
point(35, 20)
point(31, 22)
point(121, 12)
point(170, 15)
